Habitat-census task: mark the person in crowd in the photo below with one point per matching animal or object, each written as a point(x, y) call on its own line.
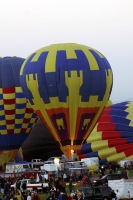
point(79, 195)
point(100, 176)
point(7, 196)
point(117, 195)
point(65, 177)
point(63, 186)
point(60, 197)
point(3, 197)
point(70, 186)
point(18, 194)
point(11, 197)
point(35, 196)
point(84, 181)
point(57, 192)
point(40, 178)
point(113, 195)
point(7, 187)
point(29, 196)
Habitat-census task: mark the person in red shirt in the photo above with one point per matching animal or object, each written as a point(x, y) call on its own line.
point(84, 181)
point(35, 196)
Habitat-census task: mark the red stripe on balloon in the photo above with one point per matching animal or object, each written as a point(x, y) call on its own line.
point(106, 126)
point(106, 111)
point(110, 134)
point(79, 152)
point(82, 156)
point(105, 118)
point(23, 130)
point(29, 110)
point(123, 147)
point(9, 112)
point(115, 142)
point(9, 101)
point(10, 121)
point(10, 131)
point(25, 120)
point(129, 152)
point(8, 90)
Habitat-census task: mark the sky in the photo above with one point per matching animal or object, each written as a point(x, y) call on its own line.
point(105, 25)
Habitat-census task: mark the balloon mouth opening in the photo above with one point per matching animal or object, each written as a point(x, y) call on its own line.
point(69, 150)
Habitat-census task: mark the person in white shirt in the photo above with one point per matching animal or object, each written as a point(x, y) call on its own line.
point(29, 196)
point(65, 177)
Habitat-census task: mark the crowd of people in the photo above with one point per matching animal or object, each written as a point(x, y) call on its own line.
point(56, 189)
point(57, 186)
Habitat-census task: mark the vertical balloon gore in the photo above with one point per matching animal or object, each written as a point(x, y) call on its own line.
point(10, 154)
point(68, 86)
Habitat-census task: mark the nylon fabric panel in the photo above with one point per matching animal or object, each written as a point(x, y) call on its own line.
point(103, 153)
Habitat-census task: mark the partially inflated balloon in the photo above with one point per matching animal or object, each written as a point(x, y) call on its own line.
point(68, 86)
point(19, 156)
point(112, 138)
point(16, 115)
point(6, 156)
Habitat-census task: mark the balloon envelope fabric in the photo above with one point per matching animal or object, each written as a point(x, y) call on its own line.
point(16, 115)
point(9, 155)
point(68, 86)
point(112, 138)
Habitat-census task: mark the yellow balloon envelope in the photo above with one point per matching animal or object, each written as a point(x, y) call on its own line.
point(68, 86)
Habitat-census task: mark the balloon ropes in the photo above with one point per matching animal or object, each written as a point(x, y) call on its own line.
point(68, 86)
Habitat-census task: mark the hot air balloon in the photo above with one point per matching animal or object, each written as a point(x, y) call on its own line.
point(40, 144)
point(68, 86)
point(16, 115)
point(19, 156)
point(6, 156)
point(112, 138)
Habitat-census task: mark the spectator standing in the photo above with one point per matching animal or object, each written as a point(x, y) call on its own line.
point(2, 186)
point(3, 197)
point(70, 186)
point(29, 196)
point(35, 196)
point(84, 181)
point(63, 186)
point(60, 197)
point(117, 195)
point(18, 194)
point(113, 195)
point(65, 177)
point(7, 187)
point(57, 192)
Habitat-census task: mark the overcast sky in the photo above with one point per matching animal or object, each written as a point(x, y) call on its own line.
point(106, 25)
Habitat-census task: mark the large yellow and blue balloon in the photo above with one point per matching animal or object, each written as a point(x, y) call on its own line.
point(16, 115)
point(68, 86)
